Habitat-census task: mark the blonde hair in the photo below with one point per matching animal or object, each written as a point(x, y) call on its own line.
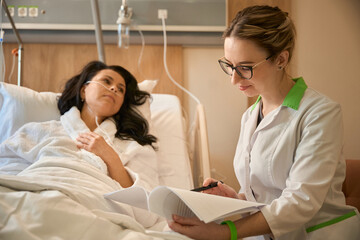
point(269, 27)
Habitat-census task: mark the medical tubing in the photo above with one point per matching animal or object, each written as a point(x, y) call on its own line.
point(98, 125)
point(142, 49)
point(166, 68)
point(96, 117)
point(104, 87)
point(232, 228)
point(107, 136)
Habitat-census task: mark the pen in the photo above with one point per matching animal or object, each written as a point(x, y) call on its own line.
point(211, 185)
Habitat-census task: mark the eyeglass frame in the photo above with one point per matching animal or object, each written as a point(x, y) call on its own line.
point(251, 68)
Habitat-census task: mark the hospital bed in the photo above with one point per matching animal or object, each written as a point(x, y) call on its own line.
point(179, 163)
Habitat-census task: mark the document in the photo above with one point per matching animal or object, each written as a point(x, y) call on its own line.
point(166, 201)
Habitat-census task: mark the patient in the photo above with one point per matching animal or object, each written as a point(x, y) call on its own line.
point(100, 144)
point(97, 124)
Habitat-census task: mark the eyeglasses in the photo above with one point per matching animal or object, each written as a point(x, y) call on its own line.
point(245, 72)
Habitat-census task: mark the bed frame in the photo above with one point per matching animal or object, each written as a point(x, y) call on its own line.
point(199, 157)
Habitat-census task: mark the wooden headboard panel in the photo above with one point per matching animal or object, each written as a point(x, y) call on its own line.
point(46, 67)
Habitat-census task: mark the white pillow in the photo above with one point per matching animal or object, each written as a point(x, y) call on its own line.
point(144, 109)
point(20, 105)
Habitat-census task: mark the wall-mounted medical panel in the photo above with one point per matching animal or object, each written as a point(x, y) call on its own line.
point(76, 14)
point(202, 17)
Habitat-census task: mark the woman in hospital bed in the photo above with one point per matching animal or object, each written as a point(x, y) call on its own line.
point(101, 144)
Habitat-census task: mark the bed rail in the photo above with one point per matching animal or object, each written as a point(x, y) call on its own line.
point(200, 160)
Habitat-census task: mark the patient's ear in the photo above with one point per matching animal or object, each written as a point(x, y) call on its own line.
point(82, 92)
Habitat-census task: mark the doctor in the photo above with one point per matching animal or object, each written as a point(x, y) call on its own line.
point(289, 153)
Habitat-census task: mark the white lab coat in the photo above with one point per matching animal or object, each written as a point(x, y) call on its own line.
point(293, 162)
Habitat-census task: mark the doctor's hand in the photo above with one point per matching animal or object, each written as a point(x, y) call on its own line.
point(221, 189)
point(96, 144)
point(196, 229)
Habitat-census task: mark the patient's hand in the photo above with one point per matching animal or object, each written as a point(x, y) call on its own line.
point(221, 189)
point(96, 144)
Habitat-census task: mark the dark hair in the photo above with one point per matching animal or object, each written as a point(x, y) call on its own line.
point(130, 124)
point(267, 26)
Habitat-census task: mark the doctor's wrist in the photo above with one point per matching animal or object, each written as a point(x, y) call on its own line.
point(232, 233)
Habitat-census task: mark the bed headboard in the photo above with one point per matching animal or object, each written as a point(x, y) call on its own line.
point(46, 67)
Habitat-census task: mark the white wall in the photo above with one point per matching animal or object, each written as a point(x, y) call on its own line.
point(327, 55)
point(224, 104)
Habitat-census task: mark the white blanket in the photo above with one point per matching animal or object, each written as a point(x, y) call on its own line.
point(58, 190)
point(65, 200)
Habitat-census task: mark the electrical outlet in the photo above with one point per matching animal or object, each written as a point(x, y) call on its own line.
point(11, 9)
point(33, 11)
point(22, 11)
point(162, 13)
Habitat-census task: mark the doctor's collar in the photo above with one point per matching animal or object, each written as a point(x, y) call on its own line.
point(293, 97)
